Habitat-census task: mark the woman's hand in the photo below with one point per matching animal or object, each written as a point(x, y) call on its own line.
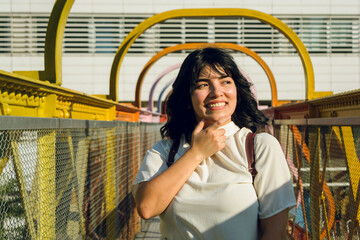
point(207, 141)
point(154, 196)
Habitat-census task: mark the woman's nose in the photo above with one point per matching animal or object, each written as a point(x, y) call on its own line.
point(215, 90)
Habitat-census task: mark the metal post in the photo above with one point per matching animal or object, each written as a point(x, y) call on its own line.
point(46, 197)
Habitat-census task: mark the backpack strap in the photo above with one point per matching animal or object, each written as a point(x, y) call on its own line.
point(173, 150)
point(250, 154)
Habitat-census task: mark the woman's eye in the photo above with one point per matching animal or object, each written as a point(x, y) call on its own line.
point(225, 82)
point(202, 85)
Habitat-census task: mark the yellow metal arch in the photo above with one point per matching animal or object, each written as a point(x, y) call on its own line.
point(217, 12)
point(188, 46)
point(53, 44)
point(54, 41)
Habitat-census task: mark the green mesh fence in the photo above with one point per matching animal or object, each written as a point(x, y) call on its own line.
point(70, 179)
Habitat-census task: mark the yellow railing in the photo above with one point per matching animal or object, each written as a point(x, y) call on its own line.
point(28, 97)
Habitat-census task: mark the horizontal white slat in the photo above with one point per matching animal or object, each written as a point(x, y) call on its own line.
point(91, 33)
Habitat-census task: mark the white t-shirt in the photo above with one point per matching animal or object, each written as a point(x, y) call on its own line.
point(219, 200)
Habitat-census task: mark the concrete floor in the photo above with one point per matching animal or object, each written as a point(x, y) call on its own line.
point(149, 229)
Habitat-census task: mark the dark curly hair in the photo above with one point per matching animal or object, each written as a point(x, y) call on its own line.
point(181, 116)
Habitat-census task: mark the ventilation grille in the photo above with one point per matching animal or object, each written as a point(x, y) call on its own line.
point(103, 33)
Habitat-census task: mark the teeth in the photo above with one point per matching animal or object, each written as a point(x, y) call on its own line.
point(220, 104)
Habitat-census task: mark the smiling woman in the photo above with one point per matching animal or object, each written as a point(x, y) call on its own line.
point(209, 192)
point(214, 95)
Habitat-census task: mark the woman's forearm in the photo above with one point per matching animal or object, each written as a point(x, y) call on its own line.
point(274, 227)
point(153, 197)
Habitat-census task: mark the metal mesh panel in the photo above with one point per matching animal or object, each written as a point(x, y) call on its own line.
point(324, 161)
point(148, 136)
point(70, 182)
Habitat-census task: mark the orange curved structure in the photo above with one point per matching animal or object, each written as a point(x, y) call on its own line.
point(188, 46)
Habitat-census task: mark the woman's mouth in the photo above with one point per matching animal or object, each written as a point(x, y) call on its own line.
point(213, 105)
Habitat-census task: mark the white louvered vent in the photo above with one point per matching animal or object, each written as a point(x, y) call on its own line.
point(103, 33)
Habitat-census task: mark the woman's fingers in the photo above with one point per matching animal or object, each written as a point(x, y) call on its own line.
point(199, 127)
point(211, 139)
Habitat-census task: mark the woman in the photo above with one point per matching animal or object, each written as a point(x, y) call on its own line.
point(208, 192)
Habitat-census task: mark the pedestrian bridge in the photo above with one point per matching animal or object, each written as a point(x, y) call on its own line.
point(68, 159)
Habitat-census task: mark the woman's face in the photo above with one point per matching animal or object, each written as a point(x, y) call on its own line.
point(214, 96)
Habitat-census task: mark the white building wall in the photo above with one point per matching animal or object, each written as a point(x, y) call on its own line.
point(90, 74)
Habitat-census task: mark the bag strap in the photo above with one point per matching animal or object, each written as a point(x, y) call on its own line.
point(250, 154)
point(173, 150)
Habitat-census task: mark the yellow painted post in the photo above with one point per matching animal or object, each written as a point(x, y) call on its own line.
point(352, 161)
point(47, 106)
point(325, 155)
point(3, 162)
point(81, 170)
point(77, 184)
point(110, 184)
point(46, 182)
point(315, 189)
point(22, 189)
